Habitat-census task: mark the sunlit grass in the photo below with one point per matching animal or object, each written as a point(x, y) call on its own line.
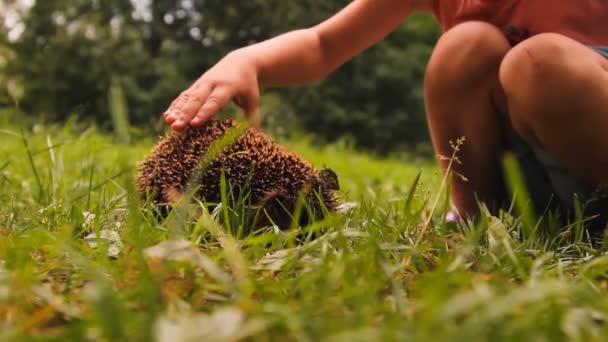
point(483, 281)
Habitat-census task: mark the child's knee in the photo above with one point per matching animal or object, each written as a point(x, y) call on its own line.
point(545, 74)
point(535, 64)
point(469, 52)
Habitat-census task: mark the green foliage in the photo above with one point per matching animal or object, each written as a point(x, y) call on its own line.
point(389, 269)
point(377, 98)
point(71, 52)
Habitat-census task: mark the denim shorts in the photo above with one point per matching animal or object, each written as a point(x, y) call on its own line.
point(547, 180)
point(602, 50)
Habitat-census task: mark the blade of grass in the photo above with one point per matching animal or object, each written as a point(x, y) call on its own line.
point(520, 194)
point(444, 181)
point(410, 195)
point(224, 198)
point(300, 203)
point(33, 166)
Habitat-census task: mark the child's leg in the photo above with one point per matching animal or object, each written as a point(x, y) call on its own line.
point(557, 94)
point(464, 98)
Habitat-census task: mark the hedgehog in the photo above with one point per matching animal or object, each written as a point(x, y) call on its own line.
point(274, 177)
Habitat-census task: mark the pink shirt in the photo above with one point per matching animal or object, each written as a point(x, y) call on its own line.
point(582, 20)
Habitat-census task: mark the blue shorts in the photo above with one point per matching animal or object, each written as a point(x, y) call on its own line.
point(547, 180)
point(602, 50)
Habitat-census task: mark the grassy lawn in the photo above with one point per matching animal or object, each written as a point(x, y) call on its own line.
point(388, 269)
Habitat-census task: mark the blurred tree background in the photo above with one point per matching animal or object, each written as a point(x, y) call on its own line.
point(59, 58)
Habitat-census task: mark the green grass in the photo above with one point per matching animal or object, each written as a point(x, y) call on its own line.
point(386, 270)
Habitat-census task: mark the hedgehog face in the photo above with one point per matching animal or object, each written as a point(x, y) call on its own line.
point(273, 176)
point(329, 179)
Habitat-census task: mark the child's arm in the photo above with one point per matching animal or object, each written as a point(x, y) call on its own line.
point(296, 57)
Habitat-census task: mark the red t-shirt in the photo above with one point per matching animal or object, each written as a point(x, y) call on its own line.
point(583, 20)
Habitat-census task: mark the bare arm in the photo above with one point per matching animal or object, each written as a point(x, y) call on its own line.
point(308, 55)
point(297, 57)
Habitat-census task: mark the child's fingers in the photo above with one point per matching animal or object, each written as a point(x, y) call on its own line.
point(171, 114)
point(218, 99)
point(183, 98)
point(169, 118)
point(184, 109)
point(195, 101)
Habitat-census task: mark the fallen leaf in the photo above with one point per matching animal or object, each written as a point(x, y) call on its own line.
point(184, 251)
point(4, 282)
point(174, 250)
point(225, 324)
point(88, 218)
point(274, 261)
point(45, 293)
point(108, 237)
point(346, 207)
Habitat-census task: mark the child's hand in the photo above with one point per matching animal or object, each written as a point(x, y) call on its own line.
point(234, 78)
